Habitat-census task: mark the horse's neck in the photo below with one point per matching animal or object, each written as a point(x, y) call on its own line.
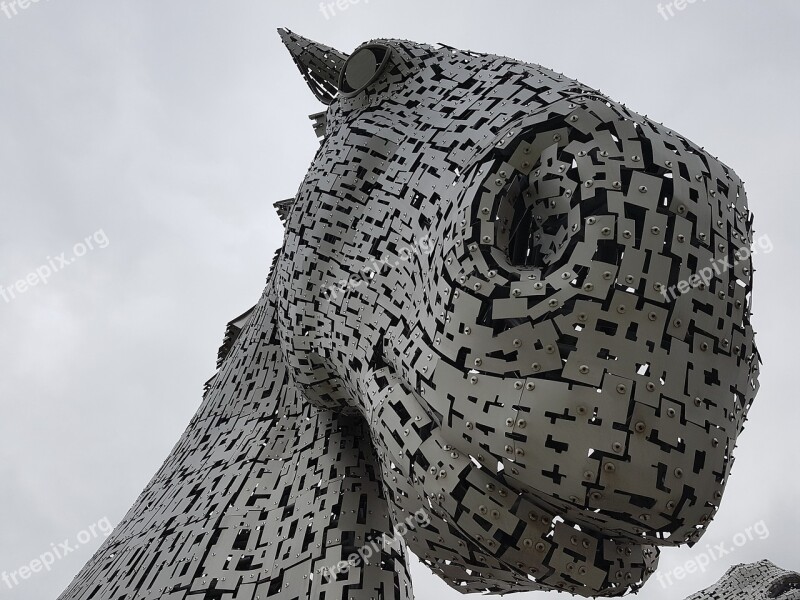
point(261, 494)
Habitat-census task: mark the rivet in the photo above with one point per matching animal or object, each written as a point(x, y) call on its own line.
point(583, 369)
point(640, 427)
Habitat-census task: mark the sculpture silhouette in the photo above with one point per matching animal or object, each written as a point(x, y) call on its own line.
point(758, 581)
point(510, 319)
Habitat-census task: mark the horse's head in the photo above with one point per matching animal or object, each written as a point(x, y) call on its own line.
point(539, 301)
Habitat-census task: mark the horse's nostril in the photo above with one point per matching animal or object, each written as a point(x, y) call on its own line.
point(524, 248)
point(784, 585)
point(538, 227)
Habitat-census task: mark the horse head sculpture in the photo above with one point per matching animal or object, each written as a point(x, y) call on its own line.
point(510, 321)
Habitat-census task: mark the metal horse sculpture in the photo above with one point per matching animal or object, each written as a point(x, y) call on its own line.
point(498, 327)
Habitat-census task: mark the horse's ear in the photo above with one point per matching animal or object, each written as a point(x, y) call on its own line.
point(319, 64)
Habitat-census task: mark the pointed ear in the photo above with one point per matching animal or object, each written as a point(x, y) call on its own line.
point(319, 64)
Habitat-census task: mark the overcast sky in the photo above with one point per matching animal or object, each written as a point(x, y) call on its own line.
point(164, 131)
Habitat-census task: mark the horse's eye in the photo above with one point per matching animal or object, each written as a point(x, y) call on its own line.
point(362, 69)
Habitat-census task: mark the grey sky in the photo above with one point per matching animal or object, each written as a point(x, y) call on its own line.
point(174, 126)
